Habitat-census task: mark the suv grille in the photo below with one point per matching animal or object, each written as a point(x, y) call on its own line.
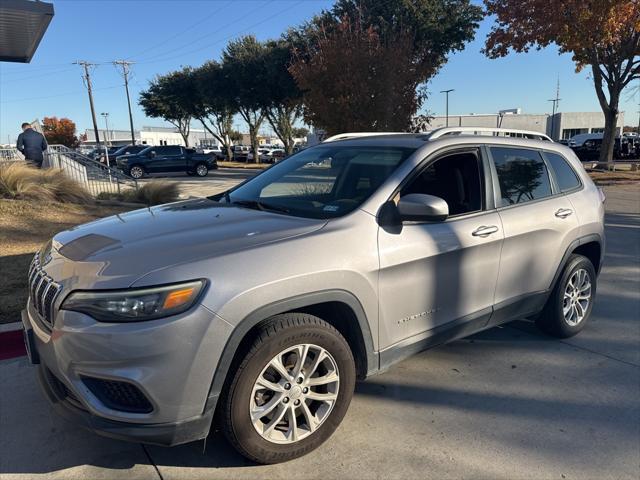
point(43, 291)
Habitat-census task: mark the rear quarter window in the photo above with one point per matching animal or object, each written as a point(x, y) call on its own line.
point(522, 175)
point(566, 176)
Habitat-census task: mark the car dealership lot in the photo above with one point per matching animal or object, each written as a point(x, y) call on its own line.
point(505, 403)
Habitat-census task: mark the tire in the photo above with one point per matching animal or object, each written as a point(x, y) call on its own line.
point(136, 172)
point(202, 170)
point(554, 320)
point(285, 337)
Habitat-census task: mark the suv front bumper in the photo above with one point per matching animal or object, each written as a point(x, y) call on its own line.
point(172, 369)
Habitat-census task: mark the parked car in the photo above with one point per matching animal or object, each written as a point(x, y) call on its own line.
point(590, 149)
point(240, 153)
point(121, 151)
point(278, 154)
point(147, 323)
point(264, 155)
point(217, 151)
point(167, 158)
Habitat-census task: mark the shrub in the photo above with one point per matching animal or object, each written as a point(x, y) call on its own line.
point(21, 181)
point(154, 192)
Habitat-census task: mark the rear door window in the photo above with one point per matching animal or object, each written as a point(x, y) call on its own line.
point(522, 175)
point(565, 175)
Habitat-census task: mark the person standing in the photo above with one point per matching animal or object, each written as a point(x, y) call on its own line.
point(31, 144)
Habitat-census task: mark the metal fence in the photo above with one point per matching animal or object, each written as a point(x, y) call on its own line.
point(96, 177)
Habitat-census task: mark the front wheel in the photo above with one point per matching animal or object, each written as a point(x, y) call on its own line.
point(571, 300)
point(291, 391)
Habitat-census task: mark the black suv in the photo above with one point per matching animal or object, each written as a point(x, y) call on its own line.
point(167, 158)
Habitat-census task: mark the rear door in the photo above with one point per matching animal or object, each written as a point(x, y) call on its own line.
point(170, 158)
point(441, 275)
point(539, 223)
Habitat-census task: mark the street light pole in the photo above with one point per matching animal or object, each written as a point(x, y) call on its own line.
point(107, 135)
point(446, 92)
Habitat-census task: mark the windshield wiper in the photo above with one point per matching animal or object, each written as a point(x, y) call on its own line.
point(258, 205)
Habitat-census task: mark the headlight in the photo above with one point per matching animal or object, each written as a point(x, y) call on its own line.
point(135, 305)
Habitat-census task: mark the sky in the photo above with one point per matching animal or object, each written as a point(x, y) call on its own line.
point(163, 35)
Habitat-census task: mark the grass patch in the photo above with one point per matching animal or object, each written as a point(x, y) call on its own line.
point(21, 181)
point(607, 178)
point(155, 192)
point(258, 166)
point(24, 227)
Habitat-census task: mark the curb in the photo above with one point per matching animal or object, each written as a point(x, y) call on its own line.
point(11, 345)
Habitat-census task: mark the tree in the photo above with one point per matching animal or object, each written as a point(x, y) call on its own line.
point(603, 35)
point(280, 97)
point(60, 131)
point(170, 97)
point(300, 132)
point(362, 64)
point(242, 67)
point(211, 104)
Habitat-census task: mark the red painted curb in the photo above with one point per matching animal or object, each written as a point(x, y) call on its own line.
point(11, 345)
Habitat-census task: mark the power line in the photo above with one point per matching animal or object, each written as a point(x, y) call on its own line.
point(68, 94)
point(188, 29)
point(13, 80)
point(233, 35)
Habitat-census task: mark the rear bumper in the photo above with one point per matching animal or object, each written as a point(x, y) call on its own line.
point(164, 434)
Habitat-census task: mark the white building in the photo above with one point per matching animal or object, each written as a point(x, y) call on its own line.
point(562, 125)
point(151, 136)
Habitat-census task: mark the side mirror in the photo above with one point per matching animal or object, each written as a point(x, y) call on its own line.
point(420, 207)
point(152, 154)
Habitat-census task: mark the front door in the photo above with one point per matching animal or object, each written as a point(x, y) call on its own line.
point(441, 275)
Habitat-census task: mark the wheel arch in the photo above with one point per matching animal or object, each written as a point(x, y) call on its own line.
point(591, 246)
point(338, 307)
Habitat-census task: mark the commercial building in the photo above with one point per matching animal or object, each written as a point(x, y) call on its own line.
point(562, 125)
point(151, 136)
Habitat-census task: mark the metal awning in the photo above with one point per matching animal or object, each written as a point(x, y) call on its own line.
point(22, 26)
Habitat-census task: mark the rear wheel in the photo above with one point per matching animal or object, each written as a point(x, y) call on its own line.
point(569, 306)
point(202, 170)
point(136, 171)
point(291, 391)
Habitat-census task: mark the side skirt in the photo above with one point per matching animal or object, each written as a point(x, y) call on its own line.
point(504, 312)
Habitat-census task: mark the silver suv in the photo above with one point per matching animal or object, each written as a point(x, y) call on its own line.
point(264, 304)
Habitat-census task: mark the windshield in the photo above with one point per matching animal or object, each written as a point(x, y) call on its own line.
point(321, 182)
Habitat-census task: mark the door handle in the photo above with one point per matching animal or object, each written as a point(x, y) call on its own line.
point(564, 213)
point(484, 231)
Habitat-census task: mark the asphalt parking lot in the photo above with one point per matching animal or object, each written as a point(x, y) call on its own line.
point(505, 403)
point(217, 181)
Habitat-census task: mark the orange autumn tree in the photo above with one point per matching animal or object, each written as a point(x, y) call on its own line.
point(603, 35)
point(60, 131)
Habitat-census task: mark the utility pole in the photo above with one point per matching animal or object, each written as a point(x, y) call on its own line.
point(446, 92)
point(556, 107)
point(108, 136)
point(125, 73)
point(87, 79)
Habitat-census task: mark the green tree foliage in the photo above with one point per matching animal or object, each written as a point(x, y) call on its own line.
point(361, 64)
point(242, 69)
point(281, 99)
point(211, 104)
point(171, 98)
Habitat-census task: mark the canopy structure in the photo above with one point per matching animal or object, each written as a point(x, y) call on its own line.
point(22, 26)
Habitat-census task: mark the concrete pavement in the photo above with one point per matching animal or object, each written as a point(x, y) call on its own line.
point(505, 403)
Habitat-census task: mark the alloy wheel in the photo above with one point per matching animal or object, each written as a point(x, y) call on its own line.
point(577, 296)
point(294, 394)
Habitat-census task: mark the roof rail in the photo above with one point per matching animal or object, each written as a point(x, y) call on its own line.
point(344, 136)
point(497, 132)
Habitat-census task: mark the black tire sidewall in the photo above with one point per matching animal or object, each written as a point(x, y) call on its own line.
point(245, 435)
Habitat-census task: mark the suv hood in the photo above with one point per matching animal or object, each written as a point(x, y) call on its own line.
point(115, 251)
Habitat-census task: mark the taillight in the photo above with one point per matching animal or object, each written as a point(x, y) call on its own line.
point(603, 197)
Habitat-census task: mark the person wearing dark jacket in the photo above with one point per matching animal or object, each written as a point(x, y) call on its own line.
point(31, 144)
